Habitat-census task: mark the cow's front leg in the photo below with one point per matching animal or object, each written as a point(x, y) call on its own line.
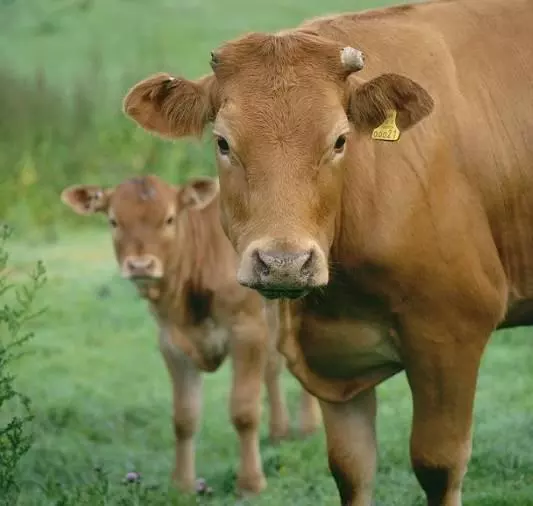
point(249, 352)
point(187, 399)
point(442, 363)
point(351, 441)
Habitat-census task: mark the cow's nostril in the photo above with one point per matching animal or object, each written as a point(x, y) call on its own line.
point(309, 258)
point(262, 261)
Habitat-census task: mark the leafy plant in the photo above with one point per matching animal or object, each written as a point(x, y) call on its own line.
point(17, 309)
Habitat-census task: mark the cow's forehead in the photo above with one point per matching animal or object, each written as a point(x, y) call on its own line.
point(144, 197)
point(278, 57)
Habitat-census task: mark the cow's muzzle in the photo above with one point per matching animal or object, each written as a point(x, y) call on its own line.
point(282, 272)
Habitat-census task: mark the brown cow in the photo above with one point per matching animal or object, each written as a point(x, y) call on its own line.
point(421, 245)
point(169, 242)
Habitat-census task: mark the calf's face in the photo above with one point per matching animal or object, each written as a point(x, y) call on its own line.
point(144, 217)
point(286, 111)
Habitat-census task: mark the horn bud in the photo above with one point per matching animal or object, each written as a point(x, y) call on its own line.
point(352, 59)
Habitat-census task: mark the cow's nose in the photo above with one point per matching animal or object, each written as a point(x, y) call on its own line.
point(282, 263)
point(140, 266)
point(279, 273)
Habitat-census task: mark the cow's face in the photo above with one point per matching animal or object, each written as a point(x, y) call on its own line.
point(144, 216)
point(286, 112)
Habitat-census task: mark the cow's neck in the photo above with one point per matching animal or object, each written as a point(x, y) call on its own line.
point(187, 289)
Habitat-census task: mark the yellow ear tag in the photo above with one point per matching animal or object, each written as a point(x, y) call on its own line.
point(387, 131)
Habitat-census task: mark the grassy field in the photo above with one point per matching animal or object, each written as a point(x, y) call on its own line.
point(102, 401)
point(99, 389)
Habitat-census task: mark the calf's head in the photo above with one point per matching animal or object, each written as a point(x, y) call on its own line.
point(144, 217)
point(286, 110)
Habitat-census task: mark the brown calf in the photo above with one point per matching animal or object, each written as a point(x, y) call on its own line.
point(402, 186)
point(169, 242)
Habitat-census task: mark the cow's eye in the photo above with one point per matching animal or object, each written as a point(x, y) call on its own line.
point(169, 220)
point(113, 222)
point(223, 146)
point(339, 143)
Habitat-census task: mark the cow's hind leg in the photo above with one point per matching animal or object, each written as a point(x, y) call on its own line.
point(249, 353)
point(279, 417)
point(187, 398)
point(443, 376)
point(351, 441)
point(310, 416)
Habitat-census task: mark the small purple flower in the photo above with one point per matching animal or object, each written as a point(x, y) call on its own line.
point(132, 477)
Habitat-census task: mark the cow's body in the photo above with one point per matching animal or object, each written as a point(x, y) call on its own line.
point(203, 314)
point(420, 247)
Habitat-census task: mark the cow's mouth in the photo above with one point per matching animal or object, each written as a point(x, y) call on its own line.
point(279, 293)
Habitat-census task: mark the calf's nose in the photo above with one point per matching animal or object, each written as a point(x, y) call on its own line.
point(140, 265)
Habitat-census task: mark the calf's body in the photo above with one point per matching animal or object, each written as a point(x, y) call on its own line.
point(402, 255)
point(169, 242)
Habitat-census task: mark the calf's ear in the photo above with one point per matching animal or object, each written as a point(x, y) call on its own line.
point(86, 199)
point(172, 107)
point(198, 193)
point(371, 103)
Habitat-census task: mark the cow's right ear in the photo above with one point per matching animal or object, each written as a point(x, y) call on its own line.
point(172, 107)
point(86, 199)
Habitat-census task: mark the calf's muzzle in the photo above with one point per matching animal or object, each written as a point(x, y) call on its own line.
point(143, 266)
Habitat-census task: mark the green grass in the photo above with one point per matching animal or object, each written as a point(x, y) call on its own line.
point(100, 391)
point(102, 398)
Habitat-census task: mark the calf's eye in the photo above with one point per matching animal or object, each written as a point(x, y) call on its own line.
point(223, 146)
point(169, 220)
point(339, 143)
point(113, 222)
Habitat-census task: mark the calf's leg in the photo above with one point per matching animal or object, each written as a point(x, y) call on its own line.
point(249, 353)
point(187, 399)
point(351, 442)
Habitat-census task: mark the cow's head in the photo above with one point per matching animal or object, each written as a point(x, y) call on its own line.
point(286, 110)
point(144, 215)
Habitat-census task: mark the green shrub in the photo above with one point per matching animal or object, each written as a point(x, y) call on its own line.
point(16, 309)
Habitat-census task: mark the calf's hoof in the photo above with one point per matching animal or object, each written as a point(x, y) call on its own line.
point(184, 485)
point(250, 485)
point(279, 434)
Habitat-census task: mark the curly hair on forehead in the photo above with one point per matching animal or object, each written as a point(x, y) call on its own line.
point(145, 190)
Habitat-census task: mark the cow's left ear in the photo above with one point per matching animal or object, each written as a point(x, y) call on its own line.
point(86, 199)
point(198, 193)
point(370, 103)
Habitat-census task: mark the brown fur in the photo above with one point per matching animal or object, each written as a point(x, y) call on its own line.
point(203, 313)
point(420, 248)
